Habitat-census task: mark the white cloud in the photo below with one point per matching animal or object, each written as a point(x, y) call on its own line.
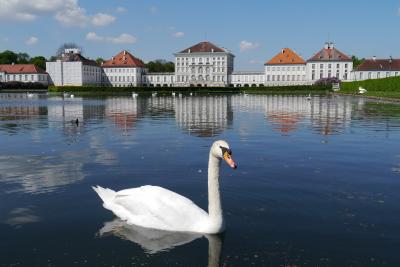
point(179, 34)
point(67, 12)
point(120, 9)
point(101, 19)
point(124, 38)
point(246, 46)
point(153, 10)
point(93, 37)
point(32, 40)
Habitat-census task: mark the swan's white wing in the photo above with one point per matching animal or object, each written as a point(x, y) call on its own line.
point(158, 208)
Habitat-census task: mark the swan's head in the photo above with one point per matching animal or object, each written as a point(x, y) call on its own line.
point(220, 149)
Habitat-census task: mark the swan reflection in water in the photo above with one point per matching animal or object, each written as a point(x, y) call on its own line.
point(154, 241)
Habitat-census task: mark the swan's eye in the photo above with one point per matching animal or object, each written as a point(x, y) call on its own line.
point(226, 151)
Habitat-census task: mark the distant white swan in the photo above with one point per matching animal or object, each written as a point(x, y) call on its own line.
point(154, 94)
point(134, 95)
point(173, 94)
point(362, 90)
point(159, 208)
point(30, 95)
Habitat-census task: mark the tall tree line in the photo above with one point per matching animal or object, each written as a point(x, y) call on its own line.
point(9, 57)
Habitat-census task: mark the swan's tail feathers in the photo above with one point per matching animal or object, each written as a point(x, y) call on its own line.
point(104, 193)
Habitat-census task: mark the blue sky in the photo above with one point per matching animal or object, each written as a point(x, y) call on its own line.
point(254, 30)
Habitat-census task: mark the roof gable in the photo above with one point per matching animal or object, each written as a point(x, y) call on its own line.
point(330, 53)
point(203, 47)
point(21, 68)
point(379, 65)
point(286, 56)
point(123, 59)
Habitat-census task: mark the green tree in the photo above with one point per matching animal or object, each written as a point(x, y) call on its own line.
point(23, 58)
point(8, 57)
point(39, 61)
point(356, 61)
point(99, 60)
point(160, 65)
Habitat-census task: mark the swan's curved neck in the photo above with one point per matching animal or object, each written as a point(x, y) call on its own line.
point(214, 199)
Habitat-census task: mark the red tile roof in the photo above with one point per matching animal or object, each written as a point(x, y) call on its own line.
point(20, 68)
point(379, 65)
point(203, 47)
point(286, 56)
point(330, 54)
point(123, 59)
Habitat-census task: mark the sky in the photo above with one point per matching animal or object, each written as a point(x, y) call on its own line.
point(254, 30)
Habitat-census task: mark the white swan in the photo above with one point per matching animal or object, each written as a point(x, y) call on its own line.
point(362, 90)
point(159, 208)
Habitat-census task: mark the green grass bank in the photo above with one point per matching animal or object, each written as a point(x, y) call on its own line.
point(380, 88)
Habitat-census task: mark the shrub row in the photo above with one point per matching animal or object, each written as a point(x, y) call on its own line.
point(186, 89)
point(22, 85)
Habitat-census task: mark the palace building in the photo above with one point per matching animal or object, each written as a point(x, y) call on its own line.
point(123, 70)
point(377, 68)
point(22, 73)
point(329, 62)
point(204, 64)
point(73, 69)
point(286, 68)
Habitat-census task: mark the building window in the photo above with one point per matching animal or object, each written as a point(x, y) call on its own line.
point(338, 66)
point(329, 66)
point(369, 75)
point(313, 66)
point(269, 77)
point(321, 66)
point(361, 75)
point(378, 75)
point(396, 73)
point(387, 74)
point(273, 78)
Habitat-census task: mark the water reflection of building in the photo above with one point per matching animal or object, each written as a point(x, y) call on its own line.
point(123, 112)
point(286, 113)
point(203, 116)
point(17, 107)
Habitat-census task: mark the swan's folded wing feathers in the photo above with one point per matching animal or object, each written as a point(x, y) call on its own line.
point(156, 207)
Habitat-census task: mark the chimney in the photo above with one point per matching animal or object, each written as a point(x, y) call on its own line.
point(124, 52)
point(390, 60)
point(189, 51)
point(374, 58)
point(112, 58)
point(326, 45)
point(283, 51)
point(331, 45)
point(212, 50)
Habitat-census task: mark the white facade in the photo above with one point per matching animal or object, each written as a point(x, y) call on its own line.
point(73, 70)
point(320, 70)
point(285, 74)
point(25, 77)
point(122, 77)
point(159, 79)
point(203, 64)
point(247, 79)
point(374, 74)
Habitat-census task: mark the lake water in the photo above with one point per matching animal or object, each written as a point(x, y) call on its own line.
point(317, 184)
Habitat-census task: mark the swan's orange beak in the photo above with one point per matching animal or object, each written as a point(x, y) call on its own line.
point(229, 160)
